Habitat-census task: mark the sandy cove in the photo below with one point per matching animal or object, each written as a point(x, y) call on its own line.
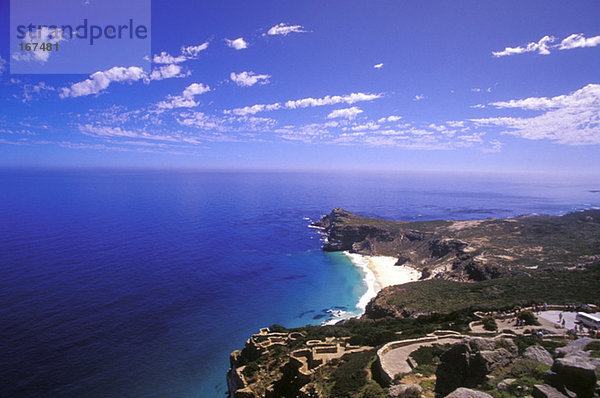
point(380, 272)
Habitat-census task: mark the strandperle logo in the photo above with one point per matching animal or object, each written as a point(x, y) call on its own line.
point(79, 36)
point(85, 31)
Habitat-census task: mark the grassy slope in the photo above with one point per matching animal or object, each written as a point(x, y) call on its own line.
point(444, 296)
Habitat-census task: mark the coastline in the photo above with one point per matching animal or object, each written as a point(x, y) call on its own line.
point(378, 272)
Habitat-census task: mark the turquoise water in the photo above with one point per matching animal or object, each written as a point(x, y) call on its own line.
point(140, 284)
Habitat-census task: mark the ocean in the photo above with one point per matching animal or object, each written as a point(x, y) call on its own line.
point(117, 283)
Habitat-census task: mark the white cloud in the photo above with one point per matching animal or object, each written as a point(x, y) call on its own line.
point(101, 80)
point(2, 65)
point(346, 113)
point(572, 119)
point(251, 110)
point(189, 52)
point(195, 89)
point(186, 99)
point(304, 103)
point(370, 125)
point(391, 118)
point(378, 66)
point(578, 40)
point(192, 52)
point(419, 97)
point(164, 58)
point(494, 146)
point(541, 47)
point(331, 100)
point(588, 95)
point(238, 44)
point(38, 36)
point(29, 91)
point(284, 29)
point(167, 72)
point(247, 79)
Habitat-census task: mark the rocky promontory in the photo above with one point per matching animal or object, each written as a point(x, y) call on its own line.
point(475, 272)
point(473, 250)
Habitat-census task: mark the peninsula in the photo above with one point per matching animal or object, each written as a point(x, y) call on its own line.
point(476, 278)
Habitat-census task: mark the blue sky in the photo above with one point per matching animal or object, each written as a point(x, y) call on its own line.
point(383, 85)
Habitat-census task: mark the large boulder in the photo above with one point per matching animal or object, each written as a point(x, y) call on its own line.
point(467, 393)
point(546, 391)
point(405, 390)
point(574, 347)
point(538, 353)
point(576, 373)
point(466, 364)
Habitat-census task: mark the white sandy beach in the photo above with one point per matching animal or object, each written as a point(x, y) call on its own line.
point(378, 272)
point(381, 272)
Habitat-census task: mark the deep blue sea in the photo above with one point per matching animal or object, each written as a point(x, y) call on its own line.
point(140, 283)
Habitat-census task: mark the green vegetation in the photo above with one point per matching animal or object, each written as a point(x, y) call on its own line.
point(350, 377)
point(549, 242)
point(528, 317)
point(377, 332)
point(523, 367)
point(526, 373)
point(276, 328)
point(445, 296)
point(489, 323)
point(594, 347)
point(372, 390)
point(524, 341)
point(428, 358)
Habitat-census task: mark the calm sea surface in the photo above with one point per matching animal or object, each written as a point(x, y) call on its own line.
point(140, 284)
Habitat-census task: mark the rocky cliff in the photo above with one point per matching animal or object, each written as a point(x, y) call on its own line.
point(473, 250)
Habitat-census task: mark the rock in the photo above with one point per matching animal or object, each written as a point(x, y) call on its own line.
point(538, 353)
point(575, 347)
point(467, 393)
point(343, 231)
point(574, 373)
point(402, 260)
point(466, 364)
point(405, 390)
point(505, 384)
point(546, 391)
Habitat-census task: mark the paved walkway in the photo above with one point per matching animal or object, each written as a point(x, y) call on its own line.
point(548, 321)
point(396, 360)
point(552, 316)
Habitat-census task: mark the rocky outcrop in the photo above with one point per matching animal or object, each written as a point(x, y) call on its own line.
point(539, 354)
point(473, 250)
point(405, 390)
point(467, 393)
point(466, 364)
point(575, 372)
point(546, 391)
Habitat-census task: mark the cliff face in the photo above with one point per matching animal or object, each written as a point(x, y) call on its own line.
point(474, 250)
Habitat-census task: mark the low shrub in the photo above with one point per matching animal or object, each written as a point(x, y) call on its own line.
point(351, 376)
point(489, 323)
point(372, 390)
point(523, 367)
point(528, 317)
point(276, 328)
